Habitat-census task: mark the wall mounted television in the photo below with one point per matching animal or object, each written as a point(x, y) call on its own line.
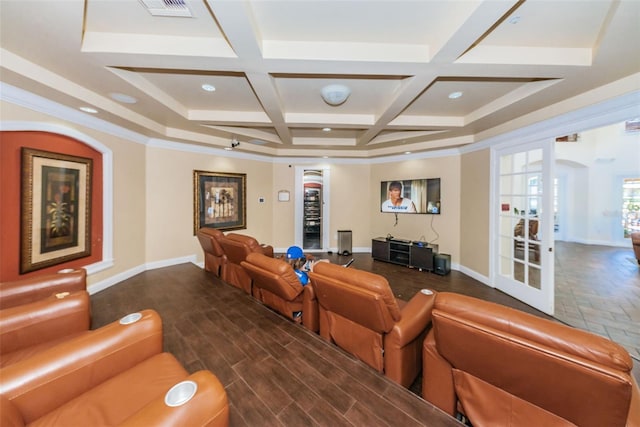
point(411, 196)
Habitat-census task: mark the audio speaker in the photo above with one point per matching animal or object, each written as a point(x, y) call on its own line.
point(442, 264)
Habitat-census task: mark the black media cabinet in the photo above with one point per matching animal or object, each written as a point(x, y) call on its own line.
point(404, 252)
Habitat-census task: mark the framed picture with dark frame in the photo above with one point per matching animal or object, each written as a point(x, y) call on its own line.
point(55, 209)
point(219, 200)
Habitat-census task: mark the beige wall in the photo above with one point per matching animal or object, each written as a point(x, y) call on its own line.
point(474, 215)
point(169, 183)
point(153, 199)
point(348, 202)
point(443, 229)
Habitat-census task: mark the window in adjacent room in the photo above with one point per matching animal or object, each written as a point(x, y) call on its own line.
point(630, 205)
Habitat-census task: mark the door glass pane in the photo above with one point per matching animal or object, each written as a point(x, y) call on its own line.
point(520, 193)
point(312, 220)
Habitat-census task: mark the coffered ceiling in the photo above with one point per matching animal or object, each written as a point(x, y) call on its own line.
point(269, 60)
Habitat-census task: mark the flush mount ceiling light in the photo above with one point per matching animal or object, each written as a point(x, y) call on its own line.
point(335, 94)
point(121, 97)
point(208, 87)
point(455, 95)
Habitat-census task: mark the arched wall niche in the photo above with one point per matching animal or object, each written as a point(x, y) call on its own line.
point(63, 140)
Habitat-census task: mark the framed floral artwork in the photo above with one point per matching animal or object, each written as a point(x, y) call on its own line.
point(55, 209)
point(219, 200)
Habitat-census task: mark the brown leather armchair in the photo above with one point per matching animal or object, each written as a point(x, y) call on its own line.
point(358, 312)
point(236, 248)
point(277, 286)
point(116, 375)
point(215, 260)
point(635, 241)
point(40, 312)
point(27, 290)
point(499, 366)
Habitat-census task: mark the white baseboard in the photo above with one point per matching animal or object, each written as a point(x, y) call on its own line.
point(475, 275)
point(114, 280)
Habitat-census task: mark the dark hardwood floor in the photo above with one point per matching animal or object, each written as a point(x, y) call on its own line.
point(276, 372)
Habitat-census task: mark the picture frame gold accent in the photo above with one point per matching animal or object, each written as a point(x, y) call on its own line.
point(55, 220)
point(219, 200)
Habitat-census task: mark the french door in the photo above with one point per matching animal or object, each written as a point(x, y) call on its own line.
point(522, 223)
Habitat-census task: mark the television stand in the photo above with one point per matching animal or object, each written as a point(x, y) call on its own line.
point(403, 252)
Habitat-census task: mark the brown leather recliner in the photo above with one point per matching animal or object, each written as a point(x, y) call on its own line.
point(499, 366)
point(635, 241)
point(277, 286)
point(358, 312)
point(39, 312)
point(116, 375)
point(30, 289)
point(236, 248)
point(215, 260)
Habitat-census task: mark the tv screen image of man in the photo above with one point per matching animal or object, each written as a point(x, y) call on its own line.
point(396, 203)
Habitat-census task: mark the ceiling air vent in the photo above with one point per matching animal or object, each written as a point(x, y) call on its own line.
point(167, 8)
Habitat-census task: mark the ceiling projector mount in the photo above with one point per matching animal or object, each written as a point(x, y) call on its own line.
point(335, 94)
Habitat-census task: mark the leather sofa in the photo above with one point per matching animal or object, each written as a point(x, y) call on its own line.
point(37, 313)
point(358, 312)
point(215, 260)
point(635, 241)
point(236, 247)
point(499, 366)
point(117, 375)
point(276, 285)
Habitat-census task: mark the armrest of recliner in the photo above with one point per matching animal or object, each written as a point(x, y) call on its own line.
point(43, 382)
point(310, 314)
point(437, 377)
point(31, 289)
point(415, 318)
point(208, 407)
point(45, 320)
point(633, 419)
point(267, 250)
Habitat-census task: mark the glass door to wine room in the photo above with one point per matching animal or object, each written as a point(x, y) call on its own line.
point(312, 204)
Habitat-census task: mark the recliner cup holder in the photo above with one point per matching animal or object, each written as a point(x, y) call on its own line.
point(180, 393)
point(130, 318)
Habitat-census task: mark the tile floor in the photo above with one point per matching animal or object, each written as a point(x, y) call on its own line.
point(598, 289)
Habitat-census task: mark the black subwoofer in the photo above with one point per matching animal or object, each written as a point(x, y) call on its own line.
point(442, 264)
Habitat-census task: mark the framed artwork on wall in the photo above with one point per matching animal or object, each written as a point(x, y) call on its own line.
point(219, 200)
point(55, 209)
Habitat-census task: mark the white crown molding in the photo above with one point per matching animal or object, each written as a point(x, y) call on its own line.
point(35, 102)
point(600, 114)
point(595, 115)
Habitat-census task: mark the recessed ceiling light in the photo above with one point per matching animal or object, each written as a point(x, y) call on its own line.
point(455, 95)
point(88, 110)
point(325, 157)
point(228, 148)
point(121, 97)
point(407, 152)
point(326, 129)
point(208, 87)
